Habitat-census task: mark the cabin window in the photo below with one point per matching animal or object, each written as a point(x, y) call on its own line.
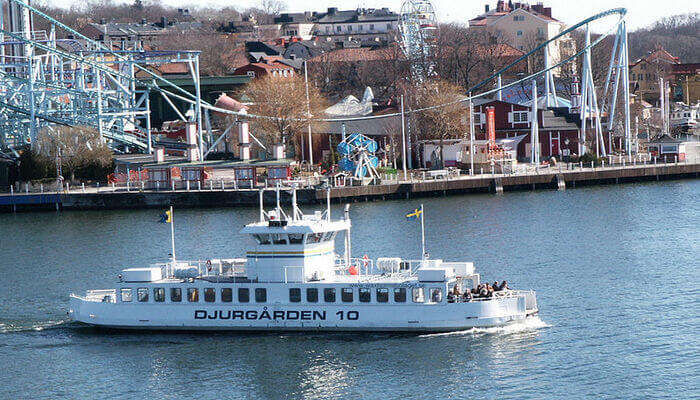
point(126, 294)
point(382, 295)
point(142, 294)
point(436, 295)
point(365, 295)
point(312, 295)
point(418, 295)
point(400, 295)
point(260, 295)
point(227, 295)
point(314, 237)
point(294, 295)
point(346, 295)
point(192, 295)
point(262, 238)
point(328, 236)
point(159, 294)
point(243, 295)
point(329, 295)
point(279, 238)
point(175, 295)
point(296, 238)
point(209, 295)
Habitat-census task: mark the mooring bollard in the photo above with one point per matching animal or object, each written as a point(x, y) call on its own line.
point(602, 163)
point(222, 184)
point(26, 188)
point(67, 187)
point(482, 170)
point(592, 165)
point(127, 186)
point(143, 186)
point(211, 185)
point(113, 188)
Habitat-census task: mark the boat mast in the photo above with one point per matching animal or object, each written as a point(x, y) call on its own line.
point(172, 232)
point(348, 244)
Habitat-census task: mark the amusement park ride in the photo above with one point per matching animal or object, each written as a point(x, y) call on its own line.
point(59, 77)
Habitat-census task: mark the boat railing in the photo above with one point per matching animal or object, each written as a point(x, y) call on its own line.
point(529, 295)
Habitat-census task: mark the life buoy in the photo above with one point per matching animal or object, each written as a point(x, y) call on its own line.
point(208, 265)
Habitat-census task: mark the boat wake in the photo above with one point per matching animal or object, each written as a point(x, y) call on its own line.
point(36, 327)
point(530, 324)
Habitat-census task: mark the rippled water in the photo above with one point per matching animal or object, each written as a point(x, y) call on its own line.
point(616, 270)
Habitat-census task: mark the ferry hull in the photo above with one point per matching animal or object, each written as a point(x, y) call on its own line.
point(287, 317)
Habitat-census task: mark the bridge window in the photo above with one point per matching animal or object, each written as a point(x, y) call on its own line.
point(142, 294)
point(279, 238)
point(175, 295)
point(382, 295)
point(294, 295)
point(260, 295)
point(296, 238)
point(314, 237)
point(346, 295)
point(400, 295)
point(328, 236)
point(192, 295)
point(329, 295)
point(209, 295)
point(418, 295)
point(365, 295)
point(262, 238)
point(227, 295)
point(312, 295)
point(436, 295)
point(243, 295)
point(159, 294)
point(126, 294)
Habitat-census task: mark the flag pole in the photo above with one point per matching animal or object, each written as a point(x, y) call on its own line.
point(172, 232)
point(422, 233)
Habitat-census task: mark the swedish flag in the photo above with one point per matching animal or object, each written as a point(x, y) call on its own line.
point(166, 217)
point(414, 214)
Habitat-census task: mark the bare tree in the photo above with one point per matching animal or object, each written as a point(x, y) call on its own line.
point(284, 100)
point(77, 147)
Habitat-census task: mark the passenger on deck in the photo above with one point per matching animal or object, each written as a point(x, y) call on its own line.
point(504, 286)
point(468, 296)
point(495, 286)
point(483, 290)
point(456, 292)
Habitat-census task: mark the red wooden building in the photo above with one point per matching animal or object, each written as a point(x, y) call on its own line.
point(558, 129)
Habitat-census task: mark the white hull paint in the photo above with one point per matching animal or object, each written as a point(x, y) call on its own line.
point(292, 317)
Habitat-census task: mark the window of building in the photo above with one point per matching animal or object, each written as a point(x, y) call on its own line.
point(226, 295)
point(142, 294)
point(192, 295)
point(175, 295)
point(382, 295)
point(519, 33)
point(159, 294)
point(346, 295)
point(349, 28)
point(329, 295)
point(418, 295)
point(400, 295)
point(540, 31)
point(243, 295)
point(209, 295)
point(371, 27)
point(365, 295)
point(388, 26)
point(294, 295)
point(328, 29)
point(338, 28)
point(436, 295)
point(359, 28)
point(296, 238)
point(521, 116)
point(126, 294)
point(262, 238)
point(260, 295)
point(311, 295)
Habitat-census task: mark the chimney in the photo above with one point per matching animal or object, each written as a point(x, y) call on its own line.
point(486, 8)
point(547, 11)
point(332, 10)
point(159, 155)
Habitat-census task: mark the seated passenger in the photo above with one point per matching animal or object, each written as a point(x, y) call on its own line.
point(468, 296)
point(483, 291)
point(495, 285)
point(504, 286)
point(456, 291)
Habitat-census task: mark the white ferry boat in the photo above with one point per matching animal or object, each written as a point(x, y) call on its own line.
point(293, 280)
